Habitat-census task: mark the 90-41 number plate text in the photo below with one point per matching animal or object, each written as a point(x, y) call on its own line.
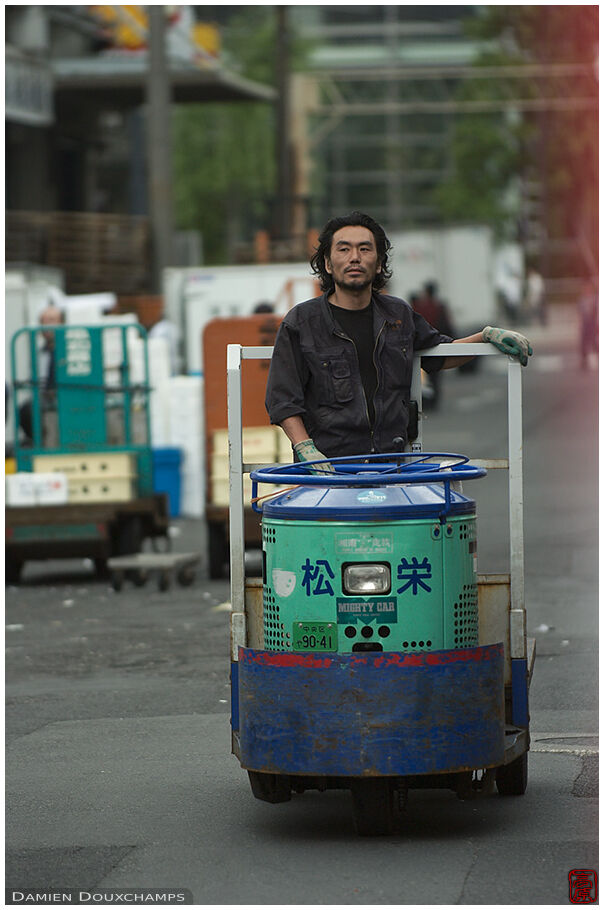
point(315, 636)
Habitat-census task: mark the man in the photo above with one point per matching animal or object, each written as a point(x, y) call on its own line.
point(51, 315)
point(535, 296)
point(434, 310)
point(436, 313)
point(340, 375)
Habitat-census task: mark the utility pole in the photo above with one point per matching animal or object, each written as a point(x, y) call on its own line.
point(282, 220)
point(159, 155)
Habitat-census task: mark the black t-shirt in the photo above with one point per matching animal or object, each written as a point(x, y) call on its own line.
point(358, 326)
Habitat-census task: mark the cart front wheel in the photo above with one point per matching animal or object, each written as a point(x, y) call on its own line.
point(512, 779)
point(117, 580)
point(163, 582)
point(373, 806)
point(271, 788)
point(138, 577)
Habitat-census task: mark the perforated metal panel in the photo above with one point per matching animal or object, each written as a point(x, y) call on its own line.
point(465, 618)
point(432, 602)
point(276, 636)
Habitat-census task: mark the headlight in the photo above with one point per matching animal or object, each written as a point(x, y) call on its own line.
point(366, 578)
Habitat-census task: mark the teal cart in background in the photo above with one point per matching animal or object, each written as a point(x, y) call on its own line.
point(85, 402)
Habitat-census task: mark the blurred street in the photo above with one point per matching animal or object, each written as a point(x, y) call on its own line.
point(118, 767)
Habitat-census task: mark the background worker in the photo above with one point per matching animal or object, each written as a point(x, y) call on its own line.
point(436, 313)
point(340, 374)
point(51, 315)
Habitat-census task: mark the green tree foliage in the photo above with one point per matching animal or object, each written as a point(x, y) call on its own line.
point(224, 153)
point(493, 152)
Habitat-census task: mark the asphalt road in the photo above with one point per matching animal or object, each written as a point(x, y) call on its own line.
point(118, 768)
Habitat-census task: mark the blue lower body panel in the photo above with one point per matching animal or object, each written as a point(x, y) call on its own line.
point(376, 713)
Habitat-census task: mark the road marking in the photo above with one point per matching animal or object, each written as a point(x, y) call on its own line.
point(563, 743)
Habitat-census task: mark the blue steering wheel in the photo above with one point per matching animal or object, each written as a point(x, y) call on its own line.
point(372, 470)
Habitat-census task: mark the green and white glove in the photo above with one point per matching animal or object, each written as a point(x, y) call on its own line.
point(307, 451)
point(512, 343)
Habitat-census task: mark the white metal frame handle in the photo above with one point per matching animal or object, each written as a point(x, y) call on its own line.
point(236, 353)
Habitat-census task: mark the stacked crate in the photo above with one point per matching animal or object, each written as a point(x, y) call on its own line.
point(261, 445)
point(95, 476)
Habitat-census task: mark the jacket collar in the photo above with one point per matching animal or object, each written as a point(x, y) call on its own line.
point(379, 316)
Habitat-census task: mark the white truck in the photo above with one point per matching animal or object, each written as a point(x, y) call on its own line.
point(195, 296)
point(460, 259)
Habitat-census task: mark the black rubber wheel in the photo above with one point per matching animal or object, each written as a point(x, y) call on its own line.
point(512, 779)
point(186, 576)
point(138, 577)
point(12, 571)
point(373, 806)
point(163, 582)
point(218, 553)
point(271, 788)
point(117, 580)
point(100, 567)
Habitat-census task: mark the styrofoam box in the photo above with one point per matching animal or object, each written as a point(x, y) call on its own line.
point(20, 489)
point(28, 489)
point(51, 489)
point(92, 464)
point(192, 462)
point(192, 495)
point(101, 489)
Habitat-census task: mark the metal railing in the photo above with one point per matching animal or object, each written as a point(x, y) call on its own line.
point(236, 354)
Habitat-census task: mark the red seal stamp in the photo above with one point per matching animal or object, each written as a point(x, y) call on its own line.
point(582, 886)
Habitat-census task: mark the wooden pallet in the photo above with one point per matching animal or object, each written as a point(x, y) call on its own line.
point(96, 251)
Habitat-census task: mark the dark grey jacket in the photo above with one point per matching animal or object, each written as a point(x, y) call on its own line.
point(314, 373)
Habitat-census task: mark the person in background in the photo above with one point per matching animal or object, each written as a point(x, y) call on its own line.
point(436, 312)
point(588, 314)
point(340, 375)
point(51, 315)
point(535, 296)
point(264, 307)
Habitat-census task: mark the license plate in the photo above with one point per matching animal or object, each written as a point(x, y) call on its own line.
point(315, 636)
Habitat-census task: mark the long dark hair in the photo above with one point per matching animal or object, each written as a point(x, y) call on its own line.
point(355, 219)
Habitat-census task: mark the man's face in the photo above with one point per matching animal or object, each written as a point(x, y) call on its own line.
point(50, 317)
point(353, 260)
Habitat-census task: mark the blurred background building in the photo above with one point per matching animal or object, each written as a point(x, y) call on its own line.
point(280, 116)
point(77, 135)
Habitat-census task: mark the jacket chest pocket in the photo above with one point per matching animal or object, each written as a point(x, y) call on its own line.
point(331, 375)
point(341, 380)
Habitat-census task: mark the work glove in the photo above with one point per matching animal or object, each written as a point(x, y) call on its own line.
point(307, 451)
point(512, 343)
